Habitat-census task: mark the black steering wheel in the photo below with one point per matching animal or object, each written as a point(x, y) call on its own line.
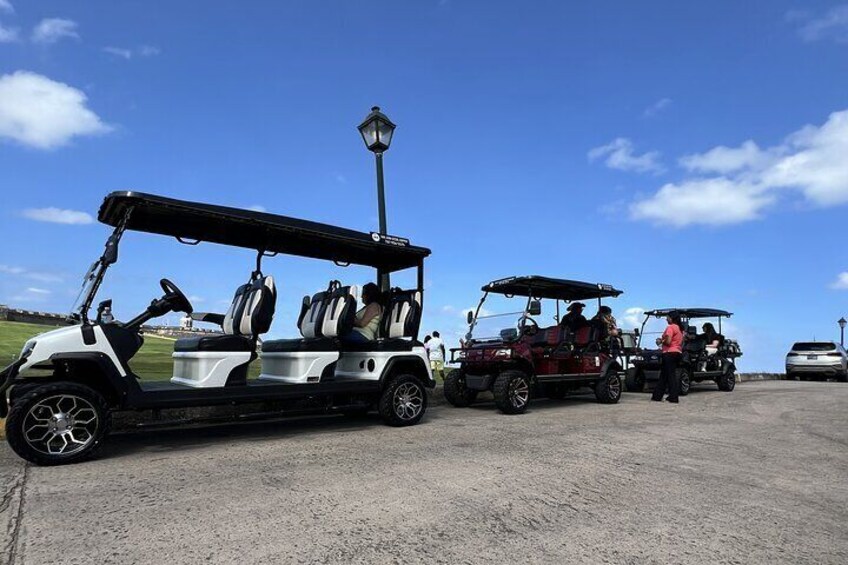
point(175, 297)
point(528, 325)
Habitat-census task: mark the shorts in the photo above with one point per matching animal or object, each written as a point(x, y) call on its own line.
point(437, 365)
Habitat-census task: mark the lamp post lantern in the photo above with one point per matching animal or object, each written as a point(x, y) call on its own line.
point(842, 323)
point(376, 131)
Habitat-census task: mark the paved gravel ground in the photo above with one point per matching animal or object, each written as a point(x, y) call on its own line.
point(759, 475)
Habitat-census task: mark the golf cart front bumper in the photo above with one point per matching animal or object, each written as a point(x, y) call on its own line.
point(7, 377)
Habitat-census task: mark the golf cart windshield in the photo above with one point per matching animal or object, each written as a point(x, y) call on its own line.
point(85, 290)
point(94, 276)
point(493, 327)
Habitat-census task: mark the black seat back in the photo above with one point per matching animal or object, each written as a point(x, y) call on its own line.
point(340, 312)
point(259, 304)
point(252, 309)
point(402, 315)
point(312, 315)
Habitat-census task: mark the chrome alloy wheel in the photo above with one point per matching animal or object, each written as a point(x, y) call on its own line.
point(614, 386)
point(61, 425)
point(519, 392)
point(408, 401)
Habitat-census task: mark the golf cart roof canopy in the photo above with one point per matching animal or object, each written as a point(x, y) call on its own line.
point(690, 313)
point(192, 222)
point(545, 287)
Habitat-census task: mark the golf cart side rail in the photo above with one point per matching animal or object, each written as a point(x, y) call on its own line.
point(546, 287)
point(192, 222)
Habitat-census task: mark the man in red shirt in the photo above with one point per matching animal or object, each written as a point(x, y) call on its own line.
point(672, 351)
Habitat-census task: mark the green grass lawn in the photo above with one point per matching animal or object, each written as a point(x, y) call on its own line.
point(152, 362)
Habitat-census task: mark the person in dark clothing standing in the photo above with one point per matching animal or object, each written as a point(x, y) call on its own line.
point(575, 319)
point(672, 351)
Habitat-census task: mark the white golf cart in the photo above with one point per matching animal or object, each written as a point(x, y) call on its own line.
point(63, 417)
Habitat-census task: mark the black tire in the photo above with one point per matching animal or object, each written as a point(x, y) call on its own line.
point(634, 380)
point(456, 392)
point(608, 388)
point(727, 382)
point(842, 378)
point(75, 411)
point(512, 391)
point(789, 377)
point(685, 382)
point(403, 401)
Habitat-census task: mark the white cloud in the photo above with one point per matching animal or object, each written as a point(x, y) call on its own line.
point(713, 201)
point(57, 216)
point(620, 155)
point(6, 6)
point(51, 30)
point(8, 34)
point(42, 113)
point(725, 160)
point(841, 282)
point(124, 53)
point(33, 275)
point(38, 290)
point(810, 162)
point(632, 318)
point(832, 25)
point(118, 52)
point(257, 208)
point(656, 107)
point(148, 50)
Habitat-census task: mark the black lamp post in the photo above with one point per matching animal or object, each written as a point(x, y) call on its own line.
point(842, 323)
point(377, 132)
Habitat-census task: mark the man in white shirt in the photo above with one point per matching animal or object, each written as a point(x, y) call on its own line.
point(436, 350)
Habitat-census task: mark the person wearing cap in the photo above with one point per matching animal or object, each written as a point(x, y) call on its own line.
point(575, 319)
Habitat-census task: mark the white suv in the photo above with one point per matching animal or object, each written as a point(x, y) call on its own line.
point(817, 360)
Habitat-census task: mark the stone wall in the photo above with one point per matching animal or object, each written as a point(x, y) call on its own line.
point(50, 319)
point(31, 316)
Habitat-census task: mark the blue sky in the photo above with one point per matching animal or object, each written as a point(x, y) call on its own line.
point(688, 153)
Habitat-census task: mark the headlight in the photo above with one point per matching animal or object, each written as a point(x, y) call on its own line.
point(27, 350)
point(460, 354)
point(636, 358)
point(504, 353)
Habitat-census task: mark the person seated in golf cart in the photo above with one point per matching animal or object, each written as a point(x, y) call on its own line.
point(712, 339)
point(575, 319)
point(366, 323)
point(605, 323)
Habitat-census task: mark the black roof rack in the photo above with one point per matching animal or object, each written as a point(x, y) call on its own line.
point(690, 313)
point(545, 287)
point(194, 221)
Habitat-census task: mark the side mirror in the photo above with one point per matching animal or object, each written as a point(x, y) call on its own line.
point(470, 317)
point(110, 254)
point(535, 308)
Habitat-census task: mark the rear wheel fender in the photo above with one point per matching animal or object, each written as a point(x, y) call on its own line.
point(409, 365)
